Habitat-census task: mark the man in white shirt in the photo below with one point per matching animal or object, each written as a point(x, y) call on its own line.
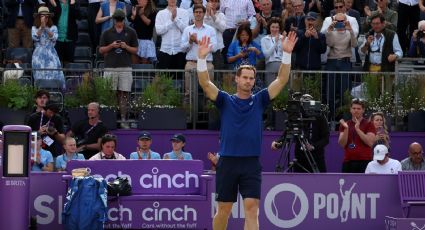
point(382, 163)
point(217, 20)
point(340, 8)
point(189, 43)
point(170, 24)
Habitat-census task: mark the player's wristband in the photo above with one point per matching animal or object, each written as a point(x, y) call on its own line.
point(201, 65)
point(286, 58)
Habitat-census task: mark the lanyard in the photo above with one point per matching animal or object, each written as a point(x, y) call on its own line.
point(41, 119)
point(91, 128)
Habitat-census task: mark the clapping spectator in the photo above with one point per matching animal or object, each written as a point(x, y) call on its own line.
point(391, 16)
point(178, 142)
point(243, 51)
point(271, 45)
point(45, 34)
point(144, 151)
point(287, 12)
point(107, 152)
point(143, 16)
point(217, 20)
point(106, 11)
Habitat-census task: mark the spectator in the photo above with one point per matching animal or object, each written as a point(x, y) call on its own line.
point(382, 163)
point(41, 160)
point(117, 44)
point(19, 22)
point(391, 16)
point(311, 44)
point(287, 12)
point(340, 38)
point(408, 12)
point(217, 20)
point(261, 20)
point(316, 133)
point(271, 45)
point(190, 12)
point(312, 6)
point(41, 98)
point(237, 13)
point(50, 126)
point(143, 17)
point(382, 137)
point(170, 24)
point(382, 49)
point(340, 7)
point(244, 51)
point(417, 43)
point(45, 34)
point(70, 147)
point(107, 149)
point(296, 22)
point(187, 4)
point(191, 35)
point(350, 12)
point(276, 8)
point(178, 142)
point(94, 28)
point(105, 15)
point(356, 136)
point(89, 132)
point(144, 151)
point(67, 12)
point(415, 161)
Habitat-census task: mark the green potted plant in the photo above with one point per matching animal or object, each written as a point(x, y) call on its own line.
point(96, 89)
point(279, 104)
point(16, 101)
point(160, 105)
point(412, 103)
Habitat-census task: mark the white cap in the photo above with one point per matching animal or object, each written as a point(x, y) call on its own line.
point(379, 152)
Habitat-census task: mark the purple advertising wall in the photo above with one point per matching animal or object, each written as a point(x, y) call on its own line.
point(200, 142)
point(289, 201)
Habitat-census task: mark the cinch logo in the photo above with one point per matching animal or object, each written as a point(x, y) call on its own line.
point(112, 176)
point(156, 213)
point(342, 205)
point(156, 180)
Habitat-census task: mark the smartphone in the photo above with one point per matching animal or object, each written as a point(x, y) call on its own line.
point(380, 130)
point(118, 41)
point(339, 25)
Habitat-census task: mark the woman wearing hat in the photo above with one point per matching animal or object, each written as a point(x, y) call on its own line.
point(44, 35)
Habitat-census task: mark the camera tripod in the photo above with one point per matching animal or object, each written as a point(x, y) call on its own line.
point(288, 141)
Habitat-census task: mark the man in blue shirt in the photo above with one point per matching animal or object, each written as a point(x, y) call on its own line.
point(144, 151)
point(178, 142)
point(241, 133)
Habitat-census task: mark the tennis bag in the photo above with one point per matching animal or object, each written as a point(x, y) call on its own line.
point(86, 204)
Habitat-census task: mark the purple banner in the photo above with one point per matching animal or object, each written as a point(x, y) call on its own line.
point(289, 201)
point(149, 177)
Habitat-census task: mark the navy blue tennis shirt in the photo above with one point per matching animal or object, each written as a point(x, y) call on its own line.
point(241, 123)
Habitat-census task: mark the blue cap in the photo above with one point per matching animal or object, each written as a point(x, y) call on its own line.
point(178, 137)
point(145, 135)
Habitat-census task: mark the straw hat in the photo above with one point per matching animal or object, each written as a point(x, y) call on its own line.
point(43, 10)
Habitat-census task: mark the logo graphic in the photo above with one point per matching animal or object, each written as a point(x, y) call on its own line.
point(178, 180)
point(269, 205)
point(346, 198)
point(415, 226)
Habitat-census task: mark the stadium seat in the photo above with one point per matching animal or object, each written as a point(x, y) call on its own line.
point(83, 54)
point(83, 25)
point(84, 12)
point(83, 39)
point(412, 190)
point(24, 55)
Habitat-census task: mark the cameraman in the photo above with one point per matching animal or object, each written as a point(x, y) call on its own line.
point(316, 132)
point(417, 43)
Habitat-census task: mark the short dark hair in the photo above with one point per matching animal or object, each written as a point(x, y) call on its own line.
point(358, 101)
point(199, 6)
point(107, 138)
point(247, 67)
point(377, 15)
point(274, 20)
point(42, 92)
point(52, 106)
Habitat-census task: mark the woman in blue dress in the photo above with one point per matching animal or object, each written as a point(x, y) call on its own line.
point(44, 35)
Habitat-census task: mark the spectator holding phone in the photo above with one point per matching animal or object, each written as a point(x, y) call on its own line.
point(144, 151)
point(382, 137)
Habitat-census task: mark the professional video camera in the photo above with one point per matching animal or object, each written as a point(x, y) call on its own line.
point(300, 109)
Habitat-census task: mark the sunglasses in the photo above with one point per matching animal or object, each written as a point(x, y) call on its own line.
point(339, 7)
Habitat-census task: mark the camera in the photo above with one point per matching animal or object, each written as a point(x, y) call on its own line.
point(80, 141)
point(302, 109)
point(339, 25)
point(370, 33)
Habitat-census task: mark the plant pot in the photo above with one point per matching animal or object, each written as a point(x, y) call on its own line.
point(162, 119)
point(416, 121)
point(214, 120)
point(107, 115)
point(13, 117)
